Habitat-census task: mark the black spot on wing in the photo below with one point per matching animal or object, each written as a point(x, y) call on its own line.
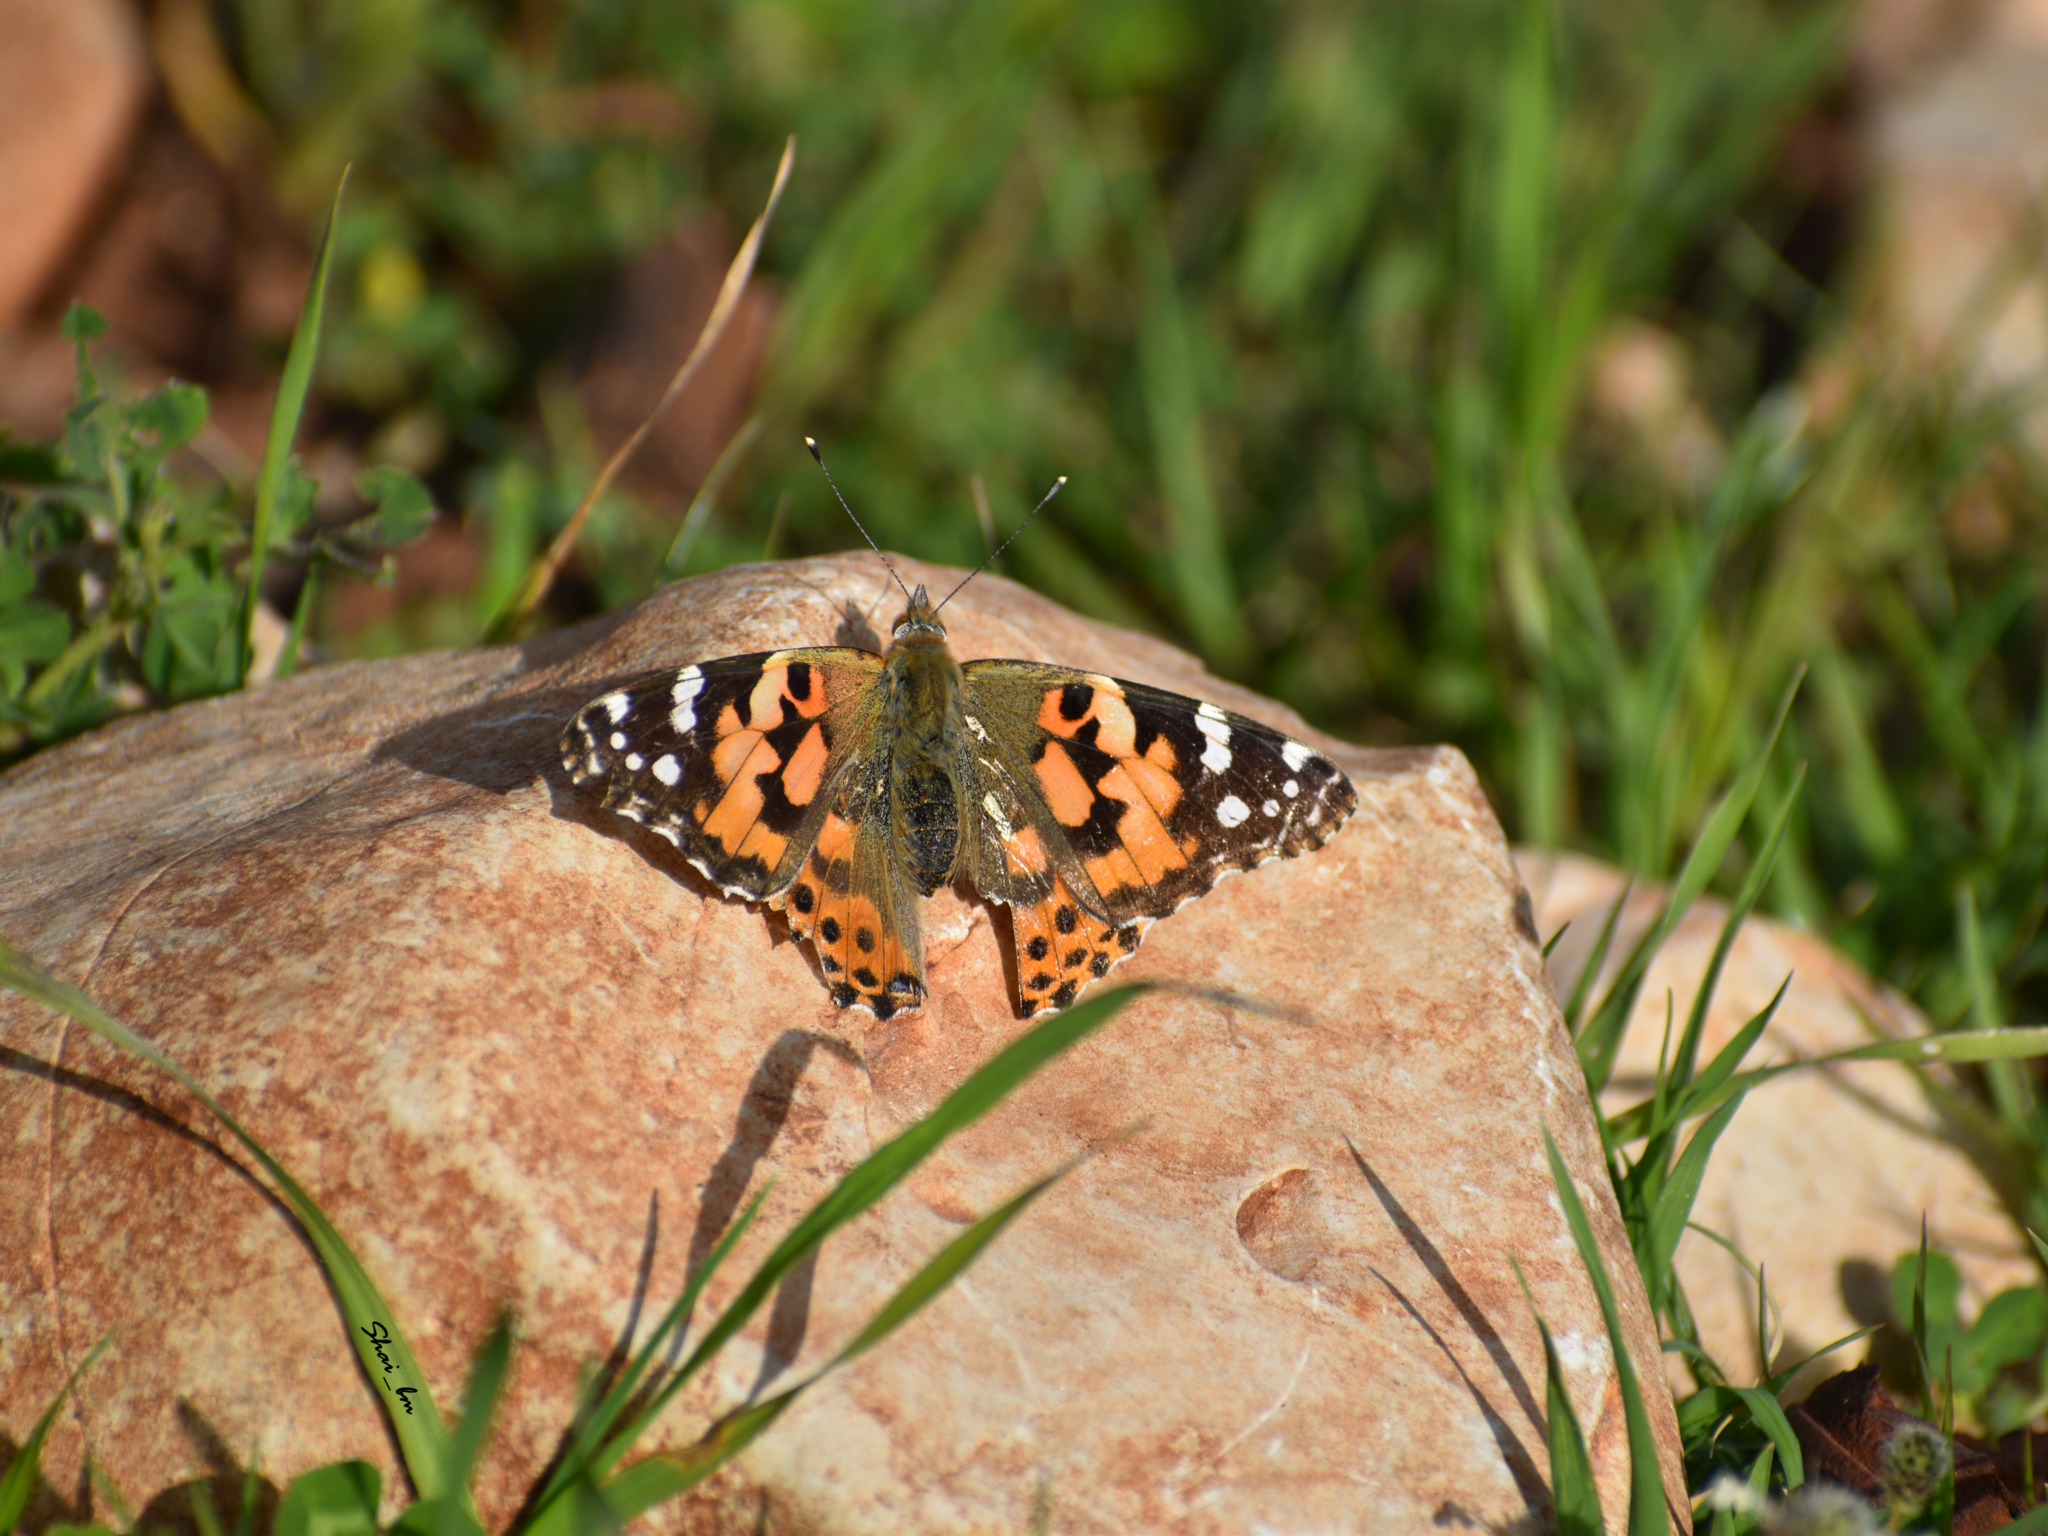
point(1075, 699)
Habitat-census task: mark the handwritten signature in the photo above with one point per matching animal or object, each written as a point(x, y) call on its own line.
point(379, 1336)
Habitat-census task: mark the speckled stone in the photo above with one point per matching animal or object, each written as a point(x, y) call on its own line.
point(492, 1029)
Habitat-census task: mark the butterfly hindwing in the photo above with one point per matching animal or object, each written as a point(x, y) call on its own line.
point(736, 762)
point(853, 901)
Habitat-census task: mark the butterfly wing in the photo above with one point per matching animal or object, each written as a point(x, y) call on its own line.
point(1104, 805)
point(736, 762)
point(854, 901)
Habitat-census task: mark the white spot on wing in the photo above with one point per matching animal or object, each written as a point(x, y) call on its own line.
point(1215, 756)
point(618, 740)
point(1294, 754)
point(667, 769)
point(689, 683)
point(1209, 720)
point(635, 761)
point(1291, 788)
point(616, 705)
point(974, 725)
point(1271, 808)
point(1233, 811)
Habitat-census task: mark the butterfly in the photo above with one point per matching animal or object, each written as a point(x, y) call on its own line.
point(844, 787)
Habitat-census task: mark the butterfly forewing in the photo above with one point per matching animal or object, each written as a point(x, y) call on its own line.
point(735, 762)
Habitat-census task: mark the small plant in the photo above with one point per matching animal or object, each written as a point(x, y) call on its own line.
point(125, 586)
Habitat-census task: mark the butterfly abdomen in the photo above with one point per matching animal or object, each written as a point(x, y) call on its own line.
point(927, 743)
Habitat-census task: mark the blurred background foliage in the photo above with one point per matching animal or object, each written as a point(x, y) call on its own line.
point(1489, 371)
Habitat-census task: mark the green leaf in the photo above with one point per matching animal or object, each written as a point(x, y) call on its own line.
point(292, 507)
point(29, 464)
point(17, 576)
point(284, 427)
point(404, 506)
point(1770, 1418)
point(380, 1344)
point(1646, 1514)
point(572, 1476)
point(2012, 1327)
point(2033, 1523)
point(82, 322)
point(175, 413)
point(1932, 1306)
point(33, 630)
point(450, 1515)
point(18, 1482)
point(337, 1500)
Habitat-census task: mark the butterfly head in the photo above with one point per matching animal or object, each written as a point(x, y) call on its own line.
point(918, 621)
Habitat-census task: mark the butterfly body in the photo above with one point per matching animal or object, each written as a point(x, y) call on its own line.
point(845, 787)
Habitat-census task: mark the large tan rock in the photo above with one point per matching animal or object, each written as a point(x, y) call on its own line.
point(1824, 1175)
point(487, 1025)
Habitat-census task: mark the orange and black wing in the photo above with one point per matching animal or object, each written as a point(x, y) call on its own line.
point(737, 762)
point(854, 900)
point(1103, 805)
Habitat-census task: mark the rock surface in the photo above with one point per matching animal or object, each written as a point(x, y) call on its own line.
point(486, 1025)
point(1823, 1176)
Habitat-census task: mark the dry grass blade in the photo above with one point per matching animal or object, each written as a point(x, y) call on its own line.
point(542, 574)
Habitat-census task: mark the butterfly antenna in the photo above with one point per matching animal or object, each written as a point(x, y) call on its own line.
point(1057, 486)
point(812, 444)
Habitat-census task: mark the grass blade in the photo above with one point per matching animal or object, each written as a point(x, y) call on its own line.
point(1601, 1042)
point(487, 1373)
point(338, 1500)
point(1573, 1494)
point(284, 428)
point(1746, 897)
point(1775, 1383)
point(1710, 1089)
point(1673, 1208)
point(1770, 1418)
point(1646, 1514)
point(372, 1326)
point(19, 1480)
point(1575, 1006)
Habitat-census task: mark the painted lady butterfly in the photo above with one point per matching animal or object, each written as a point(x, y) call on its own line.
point(843, 786)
